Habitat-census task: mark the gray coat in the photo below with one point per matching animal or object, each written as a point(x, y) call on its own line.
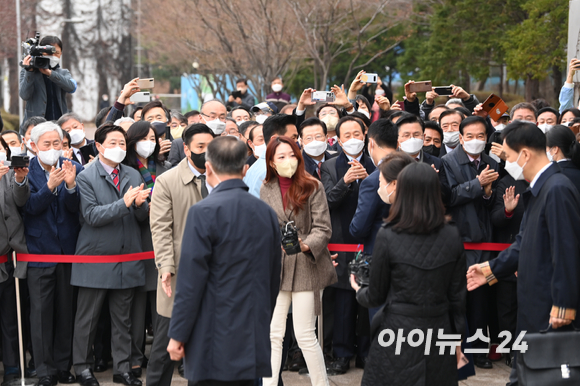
point(108, 227)
point(12, 197)
point(33, 91)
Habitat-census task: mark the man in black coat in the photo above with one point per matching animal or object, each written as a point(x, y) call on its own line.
point(546, 252)
point(472, 176)
point(341, 177)
point(229, 278)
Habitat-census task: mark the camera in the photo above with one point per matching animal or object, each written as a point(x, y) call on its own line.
point(290, 241)
point(31, 47)
point(360, 268)
point(19, 161)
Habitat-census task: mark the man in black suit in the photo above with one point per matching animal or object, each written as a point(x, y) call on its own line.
point(411, 131)
point(226, 291)
point(72, 124)
point(313, 134)
point(341, 177)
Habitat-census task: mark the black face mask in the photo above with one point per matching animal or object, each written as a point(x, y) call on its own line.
point(198, 160)
point(432, 149)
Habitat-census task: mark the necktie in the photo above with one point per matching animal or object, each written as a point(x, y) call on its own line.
point(204, 192)
point(476, 163)
point(115, 175)
point(331, 141)
point(318, 169)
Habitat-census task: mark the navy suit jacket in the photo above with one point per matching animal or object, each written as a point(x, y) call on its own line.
point(370, 212)
point(445, 189)
point(51, 222)
point(310, 164)
point(227, 285)
point(546, 253)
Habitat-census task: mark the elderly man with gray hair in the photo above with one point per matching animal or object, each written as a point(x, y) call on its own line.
point(73, 125)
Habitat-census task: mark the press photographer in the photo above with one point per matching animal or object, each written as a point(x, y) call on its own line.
point(43, 84)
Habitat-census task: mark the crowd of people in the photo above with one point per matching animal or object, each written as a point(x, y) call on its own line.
point(239, 202)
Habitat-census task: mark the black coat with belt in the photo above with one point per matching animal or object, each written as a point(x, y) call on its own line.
point(342, 202)
point(228, 282)
point(421, 279)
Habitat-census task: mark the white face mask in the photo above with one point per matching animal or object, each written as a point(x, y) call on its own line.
point(260, 150)
point(353, 146)
point(54, 61)
point(500, 127)
point(2, 156)
point(380, 92)
point(15, 150)
point(145, 148)
point(545, 127)
point(277, 87)
point(412, 145)
point(216, 126)
point(239, 123)
point(365, 113)
point(28, 144)
point(550, 157)
point(49, 157)
point(515, 170)
point(315, 148)
point(76, 136)
point(384, 195)
point(451, 138)
point(116, 154)
point(475, 146)
point(261, 118)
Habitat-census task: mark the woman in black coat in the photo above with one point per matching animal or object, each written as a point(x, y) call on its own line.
point(563, 148)
point(418, 273)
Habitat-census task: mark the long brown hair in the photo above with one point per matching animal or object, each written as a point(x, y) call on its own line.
point(303, 185)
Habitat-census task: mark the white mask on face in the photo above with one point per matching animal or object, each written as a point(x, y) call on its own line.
point(116, 154)
point(353, 146)
point(28, 144)
point(315, 148)
point(260, 150)
point(54, 61)
point(380, 92)
point(76, 136)
point(145, 148)
point(384, 195)
point(15, 150)
point(475, 146)
point(261, 118)
point(49, 157)
point(216, 126)
point(365, 113)
point(500, 127)
point(545, 127)
point(239, 123)
point(451, 138)
point(277, 87)
point(412, 145)
point(515, 170)
point(550, 157)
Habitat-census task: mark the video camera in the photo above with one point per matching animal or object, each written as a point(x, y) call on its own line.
point(32, 48)
point(360, 268)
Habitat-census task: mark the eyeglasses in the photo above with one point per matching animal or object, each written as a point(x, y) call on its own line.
point(408, 135)
point(214, 116)
point(318, 137)
point(325, 113)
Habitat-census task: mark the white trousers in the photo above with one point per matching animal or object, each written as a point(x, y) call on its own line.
point(304, 328)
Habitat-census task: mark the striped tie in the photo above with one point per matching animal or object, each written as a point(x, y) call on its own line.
point(115, 175)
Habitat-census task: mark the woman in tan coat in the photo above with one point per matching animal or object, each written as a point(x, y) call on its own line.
point(296, 196)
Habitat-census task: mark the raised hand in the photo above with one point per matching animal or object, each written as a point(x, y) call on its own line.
point(56, 177)
point(430, 96)
point(130, 195)
point(497, 149)
point(142, 196)
point(395, 106)
point(305, 99)
point(128, 90)
point(340, 96)
point(70, 174)
point(458, 92)
point(383, 102)
point(411, 96)
point(165, 146)
point(510, 200)
point(479, 111)
point(19, 174)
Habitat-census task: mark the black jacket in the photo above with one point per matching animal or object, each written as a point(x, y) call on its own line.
point(311, 166)
point(571, 171)
point(421, 278)
point(227, 285)
point(342, 202)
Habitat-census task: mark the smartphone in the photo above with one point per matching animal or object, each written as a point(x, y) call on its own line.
point(421, 86)
point(140, 97)
point(401, 105)
point(494, 106)
point(443, 90)
point(323, 96)
point(237, 94)
point(369, 78)
point(146, 83)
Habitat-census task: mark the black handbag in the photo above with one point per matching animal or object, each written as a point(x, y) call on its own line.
point(551, 359)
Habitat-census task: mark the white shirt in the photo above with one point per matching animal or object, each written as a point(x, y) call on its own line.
point(538, 174)
point(449, 150)
point(197, 174)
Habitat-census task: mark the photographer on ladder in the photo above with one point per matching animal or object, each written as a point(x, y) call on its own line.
point(43, 84)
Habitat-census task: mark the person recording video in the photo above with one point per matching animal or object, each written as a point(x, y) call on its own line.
point(241, 97)
point(44, 84)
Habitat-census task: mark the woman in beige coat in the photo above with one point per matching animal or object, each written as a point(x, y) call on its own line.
point(296, 196)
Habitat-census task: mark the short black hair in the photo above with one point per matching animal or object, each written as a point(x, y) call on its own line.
point(135, 112)
point(548, 110)
point(523, 105)
point(251, 135)
point(410, 118)
point(240, 108)
point(242, 80)
point(520, 134)
point(276, 124)
point(327, 105)
point(67, 136)
point(357, 114)
point(193, 129)
point(105, 129)
point(226, 155)
point(573, 110)
point(472, 120)
point(384, 132)
point(451, 112)
point(138, 131)
point(51, 41)
point(364, 100)
point(463, 110)
point(152, 105)
point(247, 125)
point(3, 133)
point(564, 138)
point(396, 113)
point(101, 115)
point(32, 121)
point(434, 126)
point(441, 106)
point(393, 164)
point(349, 118)
point(312, 122)
point(191, 113)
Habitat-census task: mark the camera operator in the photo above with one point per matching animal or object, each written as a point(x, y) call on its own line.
point(44, 89)
point(241, 97)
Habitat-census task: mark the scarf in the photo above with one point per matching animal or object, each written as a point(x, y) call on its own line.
point(148, 173)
